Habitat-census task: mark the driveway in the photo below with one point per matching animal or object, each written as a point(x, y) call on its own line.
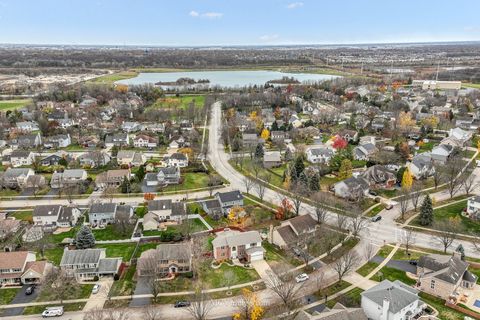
point(21, 297)
point(402, 265)
point(263, 269)
point(97, 300)
point(27, 192)
point(142, 287)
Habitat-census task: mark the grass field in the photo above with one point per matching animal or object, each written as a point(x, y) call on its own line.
point(7, 295)
point(112, 233)
point(124, 286)
point(214, 278)
point(181, 102)
point(191, 180)
point(6, 105)
point(445, 313)
point(66, 307)
point(79, 292)
point(114, 250)
point(22, 215)
point(471, 85)
point(111, 78)
point(392, 275)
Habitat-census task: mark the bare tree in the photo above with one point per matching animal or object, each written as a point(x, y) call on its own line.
point(403, 201)
point(64, 284)
point(408, 238)
point(358, 223)
point(369, 251)
point(229, 278)
point(305, 241)
point(151, 313)
point(415, 196)
point(341, 221)
point(438, 176)
point(297, 192)
point(452, 168)
point(345, 264)
point(248, 183)
point(260, 188)
point(321, 212)
point(200, 304)
point(286, 288)
point(213, 181)
point(468, 182)
point(447, 232)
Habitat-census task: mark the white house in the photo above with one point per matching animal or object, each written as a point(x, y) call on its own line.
point(20, 158)
point(319, 154)
point(178, 160)
point(391, 301)
point(27, 126)
point(232, 244)
point(421, 166)
point(144, 141)
point(473, 206)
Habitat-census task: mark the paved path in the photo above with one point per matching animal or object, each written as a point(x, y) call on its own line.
point(263, 269)
point(97, 300)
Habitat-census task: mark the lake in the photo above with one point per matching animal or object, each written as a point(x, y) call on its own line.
point(225, 78)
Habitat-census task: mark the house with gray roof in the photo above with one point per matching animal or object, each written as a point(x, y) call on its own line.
point(391, 301)
point(444, 276)
point(272, 159)
point(421, 166)
point(102, 213)
point(289, 232)
point(353, 188)
point(167, 258)
point(338, 312)
point(232, 244)
point(53, 216)
point(441, 153)
point(213, 208)
point(27, 141)
point(379, 176)
point(319, 154)
point(164, 176)
point(69, 177)
point(229, 199)
point(20, 158)
point(87, 263)
point(364, 151)
point(117, 139)
point(167, 210)
point(16, 177)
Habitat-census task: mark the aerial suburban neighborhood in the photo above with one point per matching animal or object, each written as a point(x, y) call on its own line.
point(185, 176)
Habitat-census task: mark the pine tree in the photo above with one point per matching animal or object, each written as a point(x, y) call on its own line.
point(84, 238)
point(140, 173)
point(426, 211)
point(259, 152)
point(314, 184)
point(125, 185)
point(298, 168)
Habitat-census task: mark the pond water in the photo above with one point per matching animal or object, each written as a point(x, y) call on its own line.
point(225, 78)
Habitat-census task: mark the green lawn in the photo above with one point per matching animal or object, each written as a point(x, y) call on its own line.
point(376, 210)
point(332, 289)
point(7, 295)
point(214, 278)
point(181, 102)
point(66, 307)
point(392, 275)
point(384, 251)
point(367, 268)
point(123, 250)
point(6, 105)
point(110, 232)
point(54, 254)
point(452, 211)
point(402, 255)
point(351, 299)
point(428, 146)
point(81, 292)
point(191, 180)
point(22, 215)
point(471, 85)
point(144, 247)
point(125, 285)
point(141, 211)
point(9, 193)
point(445, 313)
point(111, 78)
point(276, 174)
point(346, 246)
point(387, 193)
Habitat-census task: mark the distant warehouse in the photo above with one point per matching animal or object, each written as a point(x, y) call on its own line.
point(437, 85)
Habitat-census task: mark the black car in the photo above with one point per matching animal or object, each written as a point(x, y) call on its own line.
point(413, 262)
point(376, 218)
point(181, 304)
point(373, 193)
point(29, 290)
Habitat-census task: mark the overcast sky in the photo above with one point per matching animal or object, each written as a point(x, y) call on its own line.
point(235, 22)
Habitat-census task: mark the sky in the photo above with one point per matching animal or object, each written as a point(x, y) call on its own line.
point(236, 22)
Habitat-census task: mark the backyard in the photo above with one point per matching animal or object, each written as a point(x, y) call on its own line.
point(6, 105)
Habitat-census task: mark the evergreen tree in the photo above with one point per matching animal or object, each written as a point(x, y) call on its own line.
point(84, 238)
point(275, 126)
point(298, 168)
point(140, 173)
point(314, 184)
point(259, 152)
point(426, 211)
point(125, 185)
point(114, 151)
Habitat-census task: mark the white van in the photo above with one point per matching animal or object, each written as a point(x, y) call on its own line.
point(52, 312)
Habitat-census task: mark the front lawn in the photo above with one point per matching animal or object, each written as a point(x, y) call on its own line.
point(376, 210)
point(22, 215)
point(141, 211)
point(367, 268)
point(191, 180)
point(6, 105)
point(125, 285)
point(392, 275)
point(7, 295)
point(346, 246)
point(332, 289)
point(77, 306)
point(214, 278)
point(82, 291)
point(54, 255)
point(351, 299)
point(111, 232)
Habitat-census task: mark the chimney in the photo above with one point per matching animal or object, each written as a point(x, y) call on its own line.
point(386, 307)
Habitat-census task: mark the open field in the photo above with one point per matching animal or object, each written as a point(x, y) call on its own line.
point(181, 102)
point(111, 78)
point(6, 105)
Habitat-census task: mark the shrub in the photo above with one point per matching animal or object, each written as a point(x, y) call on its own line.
point(116, 277)
point(95, 278)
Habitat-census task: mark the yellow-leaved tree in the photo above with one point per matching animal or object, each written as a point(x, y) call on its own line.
point(345, 170)
point(250, 307)
point(237, 215)
point(265, 134)
point(407, 179)
point(405, 121)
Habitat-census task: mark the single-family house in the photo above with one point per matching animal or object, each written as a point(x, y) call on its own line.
point(444, 276)
point(27, 126)
point(232, 244)
point(278, 136)
point(131, 126)
point(94, 159)
point(213, 208)
point(112, 178)
point(131, 158)
point(102, 213)
point(87, 264)
point(20, 158)
point(20, 267)
point(352, 188)
point(51, 160)
point(338, 311)
point(421, 166)
point(473, 207)
point(272, 159)
point(441, 153)
point(55, 216)
point(391, 301)
point(145, 141)
point(69, 177)
point(319, 154)
point(58, 141)
point(229, 199)
point(348, 135)
point(117, 139)
point(178, 160)
point(379, 176)
point(364, 151)
point(167, 258)
point(167, 210)
point(250, 140)
point(288, 234)
point(28, 141)
point(16, 177)
point(165, 176)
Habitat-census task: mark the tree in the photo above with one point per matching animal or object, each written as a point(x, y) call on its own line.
point(405, 121)
point(438, 176)
point(259, 152)
point(447, 231)
point(426, 211)
point(415, 196)
point(297, 192)
point(408, 238)
point(321, 212)
point(339, 143)
point(468, 182)
point(345, 264)
point(407, 179)
point(369, 251)
point(297, 169)
point(265, 134)
point(200, 304)
point(84, 238)
point(357, 224)
point(284, 209)
point(250, 307)
point(403, 201)
point(62, 284)
point(213, 181)
point(452, 168)
point(125, 185)
point(345, 170)
point(151, 313)
point(140, 173)
point(260, 188)
point(283, 284)
point(248, 183)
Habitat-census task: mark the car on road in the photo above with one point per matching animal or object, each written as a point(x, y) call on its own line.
point(376, 218)
point(52, 312)
point(372, 193)
point(181, 304)
point(388, 206)
point(413, 262)
point(301, 277)
point(96, 288)
point(297, 251)
point(29, 290)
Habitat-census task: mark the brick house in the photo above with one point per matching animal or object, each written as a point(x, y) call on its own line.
point(168, 258)
point(231, 244)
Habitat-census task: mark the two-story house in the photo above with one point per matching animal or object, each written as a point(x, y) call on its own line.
point(102, 213)
point(145, 141)
point(69, 177)
point(130, 158)
point(319, 154)
point(14, 178)
point(117, 139)
point(229, 199)
point(232, 244)
point(21, 267)
point(20, 158)
point(112, 178)
point(473, 207)
point(55, 216)
point(178, 160)
point(421, 166)
point(288, 234)
point(58, 141)
point(165, 176)
point(167, 210)
point(89, 263)
point(167, 258)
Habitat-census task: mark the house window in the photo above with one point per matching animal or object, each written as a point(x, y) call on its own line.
point(234, 248)
point(253, 244)
point(432, 284)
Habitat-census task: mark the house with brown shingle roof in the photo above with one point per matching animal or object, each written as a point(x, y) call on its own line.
point(21, 267)
point(287, 234)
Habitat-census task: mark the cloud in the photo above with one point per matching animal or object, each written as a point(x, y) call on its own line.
point(471, 29)
point(206, 15)
point(294, 5)
point(269, 37)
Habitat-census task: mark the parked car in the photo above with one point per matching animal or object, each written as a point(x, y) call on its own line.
point(376, 218)
point(29, 290)
point(297, 251)
point(372, 193)
point(413, 262)
point(52, 312)
point(301, 277)
point(181, 304)
point(96, 288)
point(388, 206)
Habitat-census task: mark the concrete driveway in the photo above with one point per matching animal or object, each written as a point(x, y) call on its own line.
point(21, 297)
point(263, 269)
point(142, 287)
point(97, 300)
